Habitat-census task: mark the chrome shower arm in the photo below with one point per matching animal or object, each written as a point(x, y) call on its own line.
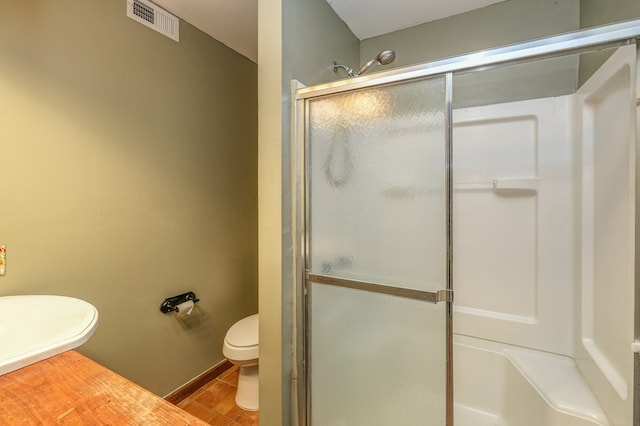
point(349, 70)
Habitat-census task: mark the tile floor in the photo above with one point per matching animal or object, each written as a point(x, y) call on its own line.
point(215, 402)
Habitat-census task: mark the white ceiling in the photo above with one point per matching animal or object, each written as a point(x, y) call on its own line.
point(370, 18)
point(235, 22)
point(231, 22)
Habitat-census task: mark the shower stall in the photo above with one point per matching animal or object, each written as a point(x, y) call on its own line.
point(465, 236)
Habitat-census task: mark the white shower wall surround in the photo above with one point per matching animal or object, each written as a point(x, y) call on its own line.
point(547, 267)
point(503, 385)
point(514, 250)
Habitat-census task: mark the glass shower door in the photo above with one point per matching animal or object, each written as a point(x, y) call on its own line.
point(376, 264)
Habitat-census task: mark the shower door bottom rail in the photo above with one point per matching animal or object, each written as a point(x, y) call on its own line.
point(426, 296)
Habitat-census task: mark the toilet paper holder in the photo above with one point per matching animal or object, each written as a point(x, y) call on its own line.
point(170, 304)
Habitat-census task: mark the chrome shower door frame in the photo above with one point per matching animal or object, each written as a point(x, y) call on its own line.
point(303, 278)
point(576, 42)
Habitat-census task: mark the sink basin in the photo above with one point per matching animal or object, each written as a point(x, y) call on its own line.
point(36, 327)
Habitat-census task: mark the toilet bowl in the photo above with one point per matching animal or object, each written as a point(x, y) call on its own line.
point(241, 348)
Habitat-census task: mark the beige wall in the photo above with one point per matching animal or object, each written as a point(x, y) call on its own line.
point(497, 25)
point(298, 39)
point(128, 165)
point(596, 12)
point(270, 210)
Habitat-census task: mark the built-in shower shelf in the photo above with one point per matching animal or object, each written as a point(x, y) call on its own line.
point(528, 185)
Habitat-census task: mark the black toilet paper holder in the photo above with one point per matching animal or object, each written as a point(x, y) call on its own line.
point(170, 304)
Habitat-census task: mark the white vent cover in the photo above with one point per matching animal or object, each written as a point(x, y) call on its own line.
point(154, 17)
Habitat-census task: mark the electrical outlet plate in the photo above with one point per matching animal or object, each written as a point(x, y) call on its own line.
point(3, 257)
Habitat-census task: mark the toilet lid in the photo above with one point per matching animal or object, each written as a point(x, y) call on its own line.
point(244, 332)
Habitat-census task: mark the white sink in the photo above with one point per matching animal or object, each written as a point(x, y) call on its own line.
point(36, 327)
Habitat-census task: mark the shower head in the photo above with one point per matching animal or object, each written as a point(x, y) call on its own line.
point(384, 58)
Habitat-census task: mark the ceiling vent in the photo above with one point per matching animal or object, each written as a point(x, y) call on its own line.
point(154, 17)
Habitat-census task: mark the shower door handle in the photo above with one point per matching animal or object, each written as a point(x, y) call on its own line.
point(426, 296)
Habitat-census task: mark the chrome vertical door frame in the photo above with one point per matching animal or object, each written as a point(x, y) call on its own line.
point(305, 282)
point(298, 191)
point(636, 356)
point(300, 168)
point(448, 122)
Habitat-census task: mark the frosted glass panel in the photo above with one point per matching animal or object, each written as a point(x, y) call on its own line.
point(377, 214)
point(377, 176)
point(376, 359)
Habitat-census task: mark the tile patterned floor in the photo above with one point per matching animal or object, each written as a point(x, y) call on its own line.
point(215, 402)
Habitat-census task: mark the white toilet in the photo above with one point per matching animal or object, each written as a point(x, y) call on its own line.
point(241, 348)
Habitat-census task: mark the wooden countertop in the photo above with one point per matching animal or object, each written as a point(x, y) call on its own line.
point(70, 389)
